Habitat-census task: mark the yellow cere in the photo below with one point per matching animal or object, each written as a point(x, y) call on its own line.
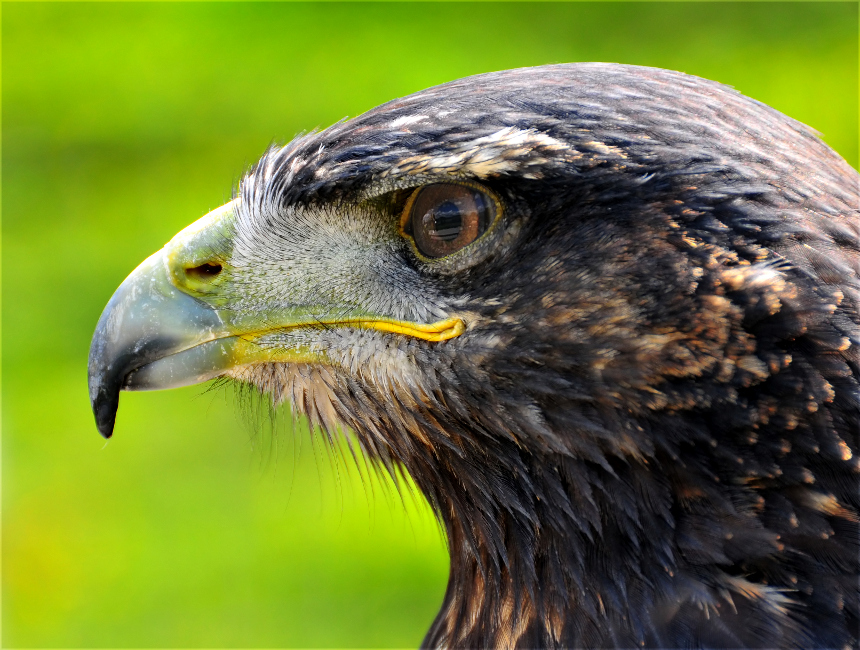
point(194, 246)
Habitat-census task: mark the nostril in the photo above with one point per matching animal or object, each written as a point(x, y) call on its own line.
point(205, 271)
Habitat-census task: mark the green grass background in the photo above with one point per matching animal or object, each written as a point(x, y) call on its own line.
point(122, 123)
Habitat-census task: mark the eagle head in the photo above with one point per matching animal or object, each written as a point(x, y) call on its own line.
point(606, 317)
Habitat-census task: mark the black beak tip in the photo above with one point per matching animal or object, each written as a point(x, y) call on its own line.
point(106, 432)
point(104, 408)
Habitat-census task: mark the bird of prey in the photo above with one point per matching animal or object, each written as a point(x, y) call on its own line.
point(605, 316)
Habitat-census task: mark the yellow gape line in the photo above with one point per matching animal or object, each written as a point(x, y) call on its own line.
point(438, 331)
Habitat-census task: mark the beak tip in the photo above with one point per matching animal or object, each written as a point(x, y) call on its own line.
point(105, 412)
point(106, 430)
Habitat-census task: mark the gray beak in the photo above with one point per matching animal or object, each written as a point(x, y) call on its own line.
point(146, 323)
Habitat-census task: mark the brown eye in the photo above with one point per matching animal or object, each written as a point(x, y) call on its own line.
point(445, 217)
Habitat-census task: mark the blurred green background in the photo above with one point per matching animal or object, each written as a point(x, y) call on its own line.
point(122, 123)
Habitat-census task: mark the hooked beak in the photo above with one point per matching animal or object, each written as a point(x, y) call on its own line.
point(151, 335)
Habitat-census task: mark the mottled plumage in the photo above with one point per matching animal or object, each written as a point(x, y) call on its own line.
point(647, 434)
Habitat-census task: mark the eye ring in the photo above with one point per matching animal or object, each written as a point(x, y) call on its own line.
point(441, 220)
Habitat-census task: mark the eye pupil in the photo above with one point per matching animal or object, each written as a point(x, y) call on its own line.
point(444, 222)
point(446, 217)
